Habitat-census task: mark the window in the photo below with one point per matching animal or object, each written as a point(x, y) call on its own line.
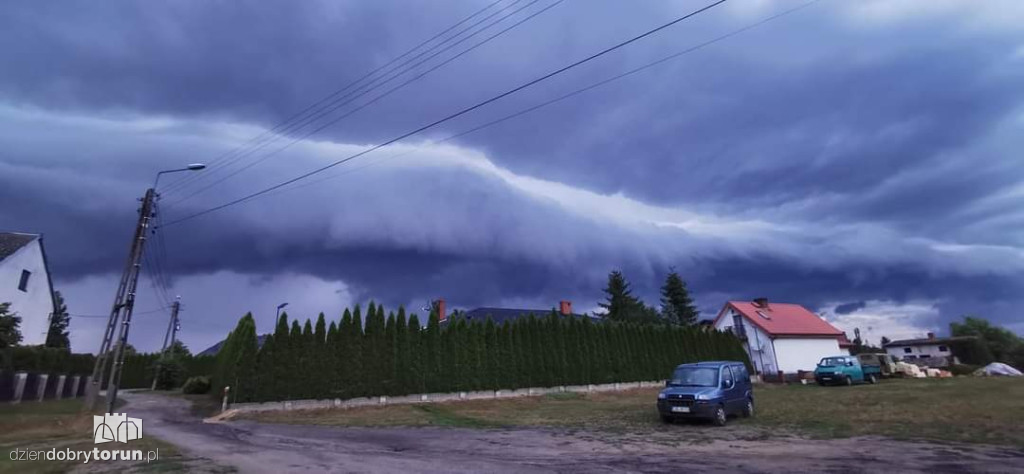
point(727, 376)
point(906, 350)
point(765, 316)
point(943, 349)
point(694, 377)
point(741, 372)
point(23, 284)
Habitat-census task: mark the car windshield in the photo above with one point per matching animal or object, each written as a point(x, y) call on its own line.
point(695, 377)
point(833, 361)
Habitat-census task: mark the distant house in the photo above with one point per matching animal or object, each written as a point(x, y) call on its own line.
point(930, 351)
point(780, 337)
point(501, 315)
point(25, 284)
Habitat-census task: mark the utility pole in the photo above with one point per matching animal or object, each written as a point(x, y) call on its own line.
point(124, 303)
point(172, 332)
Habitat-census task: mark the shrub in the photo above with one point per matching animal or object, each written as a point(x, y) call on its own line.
point(196, 385)
point(170, 373)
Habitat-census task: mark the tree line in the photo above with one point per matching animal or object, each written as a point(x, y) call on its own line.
point(677, 307)
point(393, 354)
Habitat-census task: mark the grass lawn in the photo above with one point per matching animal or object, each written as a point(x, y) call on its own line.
point(967, 409)
point(63, 425)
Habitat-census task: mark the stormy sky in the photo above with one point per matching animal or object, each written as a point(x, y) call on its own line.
point(860, 158)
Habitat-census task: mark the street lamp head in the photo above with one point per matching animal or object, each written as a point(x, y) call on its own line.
point(282, 305)
point(196, 166)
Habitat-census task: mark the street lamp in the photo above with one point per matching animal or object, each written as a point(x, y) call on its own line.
point(115, 338)
point(192, 167)
point(279, 307)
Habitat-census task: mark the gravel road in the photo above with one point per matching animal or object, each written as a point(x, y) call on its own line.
point(255, 447)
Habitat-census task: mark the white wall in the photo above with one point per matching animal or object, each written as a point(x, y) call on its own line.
point(804, 353)
point(33, 305)
point(925, 350)
point(758, 344)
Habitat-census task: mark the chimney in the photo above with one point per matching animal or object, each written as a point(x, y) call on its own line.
point(439, 306)
point(761, 302)
point(931, 335)
point(565, 307)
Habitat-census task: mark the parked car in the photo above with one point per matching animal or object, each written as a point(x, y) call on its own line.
point(707, 390)
point(845, 370)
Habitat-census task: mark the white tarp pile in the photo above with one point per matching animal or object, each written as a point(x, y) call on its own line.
point(909, 370)
point(998, 369)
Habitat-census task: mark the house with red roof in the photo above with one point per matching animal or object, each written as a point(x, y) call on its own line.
point(780, 336)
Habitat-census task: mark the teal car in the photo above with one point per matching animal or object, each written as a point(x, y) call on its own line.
point(845, 370)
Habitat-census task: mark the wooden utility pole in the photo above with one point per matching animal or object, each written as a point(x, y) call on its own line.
point(124, 303)
point(172, 332)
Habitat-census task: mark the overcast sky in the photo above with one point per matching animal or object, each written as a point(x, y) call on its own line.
point(860, 158)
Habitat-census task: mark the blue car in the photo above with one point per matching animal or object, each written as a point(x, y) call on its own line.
point(707, 390)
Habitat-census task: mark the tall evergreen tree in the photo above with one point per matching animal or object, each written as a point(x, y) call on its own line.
point(620, 304)
point(676, 304)
point(57, 336)
point(417, 356)
point(432, 353)
point(318, 361)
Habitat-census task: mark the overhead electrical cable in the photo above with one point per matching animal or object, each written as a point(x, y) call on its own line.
point(451, 116)
point(561, 97)
point(282, 127)
point(379, 97)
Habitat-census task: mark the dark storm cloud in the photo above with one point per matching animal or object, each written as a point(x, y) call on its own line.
point(881, 157)
point(848, 308)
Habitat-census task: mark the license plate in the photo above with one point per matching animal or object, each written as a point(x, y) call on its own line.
point(826, 378)
point(681, 409)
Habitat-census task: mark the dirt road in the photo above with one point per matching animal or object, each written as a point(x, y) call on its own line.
point(254, 447)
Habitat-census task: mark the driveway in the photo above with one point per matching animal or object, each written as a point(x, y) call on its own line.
point(256, 447)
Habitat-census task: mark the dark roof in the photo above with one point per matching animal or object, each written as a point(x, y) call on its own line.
point(927, 341)
point(214, 349)
point(500, 315)
point(10, 242)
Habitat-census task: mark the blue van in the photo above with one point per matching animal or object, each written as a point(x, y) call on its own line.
point(707, 390)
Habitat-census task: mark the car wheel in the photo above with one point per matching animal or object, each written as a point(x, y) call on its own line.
point(872, 379)
point(848, 380)
point(748, 409)
point(719, 419)
point(667, 419)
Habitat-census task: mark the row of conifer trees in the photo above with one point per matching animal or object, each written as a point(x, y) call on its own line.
point(395, 355)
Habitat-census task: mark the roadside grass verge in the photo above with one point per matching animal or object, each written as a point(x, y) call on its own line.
point(63, 424)
point(962, 409)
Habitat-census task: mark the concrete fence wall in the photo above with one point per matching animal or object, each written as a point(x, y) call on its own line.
point(38, 387)
point(438, 397)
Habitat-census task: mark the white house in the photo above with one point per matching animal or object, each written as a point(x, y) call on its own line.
point(25, 283)
point(931, 351)
point(780, 336)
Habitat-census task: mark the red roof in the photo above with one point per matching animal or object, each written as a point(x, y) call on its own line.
point(844, 342)
point(783, 319)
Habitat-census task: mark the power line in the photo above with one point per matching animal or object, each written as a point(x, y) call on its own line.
point(379, 97)
point(453, 115)
point(567, 95)
point(177, 184)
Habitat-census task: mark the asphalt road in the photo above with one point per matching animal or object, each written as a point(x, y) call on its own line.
point(255, 447)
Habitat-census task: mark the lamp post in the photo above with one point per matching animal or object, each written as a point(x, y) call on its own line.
point(279, 307)
point(112, 353)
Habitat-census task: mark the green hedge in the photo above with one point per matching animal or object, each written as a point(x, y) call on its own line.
point(394, 355)
point(45, 360)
